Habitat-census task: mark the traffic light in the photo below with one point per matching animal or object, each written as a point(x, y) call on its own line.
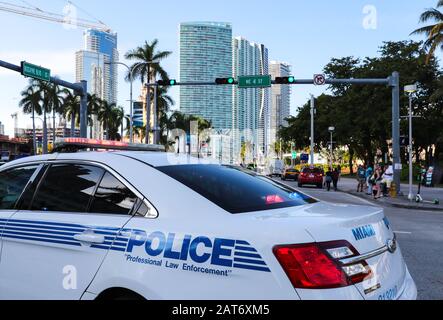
point(225, 81)
point(284, 80)
point(167, 83)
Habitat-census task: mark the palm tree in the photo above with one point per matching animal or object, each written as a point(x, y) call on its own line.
point(147, 64)
point(94, 105)
point(433, 32)
point(71, 109)
point(105, 115)
point(30, 103)
point(116, 123)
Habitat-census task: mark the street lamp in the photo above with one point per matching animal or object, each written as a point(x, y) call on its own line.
point(410, 90)
point(131, 108)
point(331, 131)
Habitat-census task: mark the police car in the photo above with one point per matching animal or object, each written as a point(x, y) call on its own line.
point(152, 225)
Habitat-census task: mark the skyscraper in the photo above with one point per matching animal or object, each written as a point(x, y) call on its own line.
point(281, 100)
point(206, 54)
point(100, 48)
point(250, 110)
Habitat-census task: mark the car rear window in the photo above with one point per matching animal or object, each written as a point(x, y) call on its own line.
point(235, 189)
point(314, 171)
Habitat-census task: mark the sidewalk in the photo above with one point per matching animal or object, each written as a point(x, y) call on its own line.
point(348, 185)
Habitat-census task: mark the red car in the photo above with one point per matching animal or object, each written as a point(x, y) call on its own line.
point(311, 176)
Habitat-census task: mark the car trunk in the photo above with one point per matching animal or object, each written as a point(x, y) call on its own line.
point(369, 232)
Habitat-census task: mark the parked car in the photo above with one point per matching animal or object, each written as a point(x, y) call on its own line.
point(311, 176)
point(290, 174)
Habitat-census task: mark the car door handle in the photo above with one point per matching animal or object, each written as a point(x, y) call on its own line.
point(89, 237)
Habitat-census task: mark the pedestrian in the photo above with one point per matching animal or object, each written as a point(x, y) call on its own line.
point(335, 178)
point(387, 179)
point(369, 173)
point(378, 177)
point(329, 179)
point(361, 178)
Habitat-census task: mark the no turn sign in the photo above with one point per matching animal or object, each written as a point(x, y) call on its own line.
point(319, 79)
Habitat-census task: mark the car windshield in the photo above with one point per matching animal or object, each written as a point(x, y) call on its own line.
point(235, 189)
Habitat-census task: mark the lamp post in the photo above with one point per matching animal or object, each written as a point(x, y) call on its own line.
point(331, 131)
point(410, 90)
point(131, 107)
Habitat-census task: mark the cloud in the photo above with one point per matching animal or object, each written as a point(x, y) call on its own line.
point(60, 62)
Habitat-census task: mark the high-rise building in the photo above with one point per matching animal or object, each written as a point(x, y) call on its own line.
point(250, 110)
point(92, 65)
point(281, 100)
point(2, 129)
point(206, 54)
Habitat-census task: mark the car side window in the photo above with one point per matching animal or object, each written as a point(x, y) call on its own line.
point(12, 184)
point(113, 197)
point(67, 188)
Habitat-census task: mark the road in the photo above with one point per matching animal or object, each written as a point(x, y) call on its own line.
point(420, 234)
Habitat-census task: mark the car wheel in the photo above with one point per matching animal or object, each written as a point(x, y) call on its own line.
point(283, 178)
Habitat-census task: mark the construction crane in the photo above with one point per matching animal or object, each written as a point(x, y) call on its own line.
point(38, 13)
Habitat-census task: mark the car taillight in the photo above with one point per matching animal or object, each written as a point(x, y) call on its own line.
point(317, 265)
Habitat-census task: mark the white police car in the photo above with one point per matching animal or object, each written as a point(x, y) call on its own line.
point(126, 225)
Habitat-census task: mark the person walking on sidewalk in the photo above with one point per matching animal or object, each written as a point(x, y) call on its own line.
point(329, 179)
point(335, 178)
point(361, 178)
point(369, 173)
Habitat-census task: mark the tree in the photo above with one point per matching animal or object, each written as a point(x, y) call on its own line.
point(94, 105)
point(147, 64)
point(433, 32)
point(105, 116)
point(71, 109)
point(51, 100)
point(362, 114)
point(30, 103)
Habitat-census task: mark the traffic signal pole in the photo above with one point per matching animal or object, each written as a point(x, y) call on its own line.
point(392, 81)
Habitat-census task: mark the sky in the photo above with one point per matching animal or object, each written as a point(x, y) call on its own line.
point(306, 34)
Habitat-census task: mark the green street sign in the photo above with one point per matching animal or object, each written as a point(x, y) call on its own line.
point(254, 81)
point(36, 72)
point(294, 155)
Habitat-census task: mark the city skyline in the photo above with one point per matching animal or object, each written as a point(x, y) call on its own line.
point(59, 55)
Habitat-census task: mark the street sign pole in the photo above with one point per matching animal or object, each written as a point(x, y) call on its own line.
point(312, 128)
point(394, 82)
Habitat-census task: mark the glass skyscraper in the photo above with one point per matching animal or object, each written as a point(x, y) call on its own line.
point(206, 54)
point(91, 65)
point(250, 109)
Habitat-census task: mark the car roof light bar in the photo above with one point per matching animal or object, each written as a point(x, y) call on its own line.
point(76, 144)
